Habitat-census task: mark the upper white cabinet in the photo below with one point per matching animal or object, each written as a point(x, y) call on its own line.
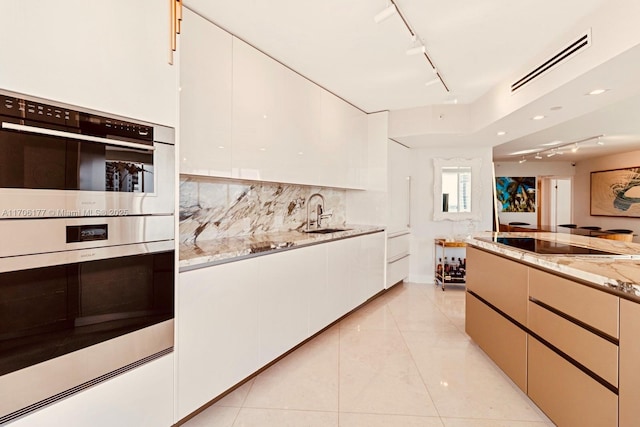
point(245, 115)
point(275, 113)
point(205, 97)
point(343, 143)
point(110, 56)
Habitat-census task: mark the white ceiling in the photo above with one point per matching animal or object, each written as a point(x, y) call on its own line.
point(475, 45)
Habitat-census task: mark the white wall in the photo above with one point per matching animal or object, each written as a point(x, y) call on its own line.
point(582, 187)
point(423, 228)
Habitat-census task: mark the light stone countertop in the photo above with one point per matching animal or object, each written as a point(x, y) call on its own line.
point(219, 251)
point(619, 274)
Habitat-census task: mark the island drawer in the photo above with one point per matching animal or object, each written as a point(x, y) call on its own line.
point(595, 353)
point(499, 281)
point(566, 394)
point(501, 339)
point(595, 308)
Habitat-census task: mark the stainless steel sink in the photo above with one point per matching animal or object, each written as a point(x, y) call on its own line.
point(326, 230)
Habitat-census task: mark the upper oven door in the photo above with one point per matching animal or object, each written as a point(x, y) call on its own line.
point(69, 174)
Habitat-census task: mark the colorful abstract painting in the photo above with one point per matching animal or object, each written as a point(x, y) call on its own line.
point(616, 192)
point(516, 194)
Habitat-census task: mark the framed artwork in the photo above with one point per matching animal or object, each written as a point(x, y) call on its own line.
point(616, 192)
point(516, 194)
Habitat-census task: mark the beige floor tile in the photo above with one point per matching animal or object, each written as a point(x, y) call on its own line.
point(306, 379)
point(464, 383)
point(385, 420)
point(252, 417)
point(237, 397)
point(214, 416)
point(378, 375)
point(370, 317)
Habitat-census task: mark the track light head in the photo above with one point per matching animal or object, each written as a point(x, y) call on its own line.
point(416, 50)
point(385, 13)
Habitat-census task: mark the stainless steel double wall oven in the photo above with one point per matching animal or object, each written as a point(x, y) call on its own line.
point(87, 253)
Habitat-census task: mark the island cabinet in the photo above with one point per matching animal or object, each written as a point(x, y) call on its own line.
point(496, 309)
point(629, 359)
point(235, 318)
point(573, 351)
point(570, 346)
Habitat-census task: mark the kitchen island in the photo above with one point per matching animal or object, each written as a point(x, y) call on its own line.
point(562, 326)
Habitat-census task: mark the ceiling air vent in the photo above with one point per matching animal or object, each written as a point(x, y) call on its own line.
point(575, 47)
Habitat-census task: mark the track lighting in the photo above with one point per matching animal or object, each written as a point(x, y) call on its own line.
point(538, 156)
point(575, 148)
point(385, 13)
point(416, 50)
point(600, 142)
point(432, 82)
point(391, 9)
point(521, 161)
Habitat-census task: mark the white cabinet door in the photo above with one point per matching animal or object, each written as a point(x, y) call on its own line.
point(286, 283)
point(373, 246)
point(141, 397)
point(274, 111)
point(399, 184)
point(217, 338)
point(110, 56)
point(343, 138)
point(205, 97)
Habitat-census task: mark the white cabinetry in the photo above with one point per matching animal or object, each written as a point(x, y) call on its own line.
point(205, 97)
point(399, 213)
point(237, 317)
point(141, 397)
point(342, 149)
point(287, 279)
point(110, 56)
point(245, 115)
point(275, 114)
point(217, 338)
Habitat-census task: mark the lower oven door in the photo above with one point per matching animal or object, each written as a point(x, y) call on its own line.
point(62, 326)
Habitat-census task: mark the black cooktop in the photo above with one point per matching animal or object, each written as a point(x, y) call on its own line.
point(545, 247)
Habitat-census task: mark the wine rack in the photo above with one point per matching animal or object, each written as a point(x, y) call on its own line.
point(450, 262)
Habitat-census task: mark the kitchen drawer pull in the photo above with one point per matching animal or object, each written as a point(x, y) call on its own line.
point(62, 134)
point(397, 258)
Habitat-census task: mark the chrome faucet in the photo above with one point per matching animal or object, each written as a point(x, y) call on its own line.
point(320, 215)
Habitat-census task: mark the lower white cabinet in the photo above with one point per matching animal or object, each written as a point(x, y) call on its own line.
point(141, 397)
point(217, 331)
point(286, 280)
point(235, 318)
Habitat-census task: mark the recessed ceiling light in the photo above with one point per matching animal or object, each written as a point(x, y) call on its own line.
point(539, 117)
point(221, 146)
point(501, 133)
point(597, 91)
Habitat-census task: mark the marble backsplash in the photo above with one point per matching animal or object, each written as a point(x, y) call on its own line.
point(213, 208)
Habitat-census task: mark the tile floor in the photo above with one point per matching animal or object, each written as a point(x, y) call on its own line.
point(402, 360)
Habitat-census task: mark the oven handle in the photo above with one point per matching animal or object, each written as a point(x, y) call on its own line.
point(52, 132)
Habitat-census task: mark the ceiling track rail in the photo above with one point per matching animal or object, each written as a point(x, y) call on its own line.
point(426, 55)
